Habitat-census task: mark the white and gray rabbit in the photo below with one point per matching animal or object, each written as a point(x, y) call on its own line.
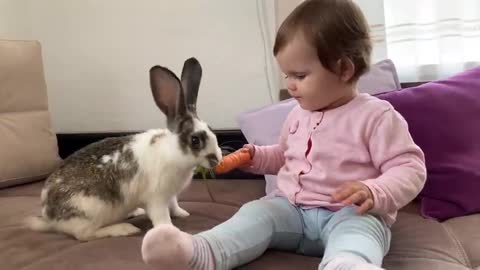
point(99, 186)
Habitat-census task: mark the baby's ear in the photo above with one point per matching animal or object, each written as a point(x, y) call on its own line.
point(345, 69)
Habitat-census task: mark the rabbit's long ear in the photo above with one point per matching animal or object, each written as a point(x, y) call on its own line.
point(167, 93)
point(191, 77)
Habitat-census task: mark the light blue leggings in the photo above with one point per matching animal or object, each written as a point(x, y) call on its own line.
point(277, 224)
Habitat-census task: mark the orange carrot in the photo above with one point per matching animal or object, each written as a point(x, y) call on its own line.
point(233, 160)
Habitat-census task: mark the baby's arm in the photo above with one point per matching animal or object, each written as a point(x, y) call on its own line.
point(268, 159)
point(401, 162)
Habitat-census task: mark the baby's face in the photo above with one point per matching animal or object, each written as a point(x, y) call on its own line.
point(308, 81)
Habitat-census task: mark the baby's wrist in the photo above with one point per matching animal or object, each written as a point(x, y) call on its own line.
point(251, 149)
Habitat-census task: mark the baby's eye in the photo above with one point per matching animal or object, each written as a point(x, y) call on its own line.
point(299, 76)
point(296, 76)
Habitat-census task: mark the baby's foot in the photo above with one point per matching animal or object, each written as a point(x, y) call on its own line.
point(166, 247)
point(350, 262)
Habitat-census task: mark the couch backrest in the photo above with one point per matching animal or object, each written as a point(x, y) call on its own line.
point(28, 144)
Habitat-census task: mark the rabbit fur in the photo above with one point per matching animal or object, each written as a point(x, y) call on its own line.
point(99, 186)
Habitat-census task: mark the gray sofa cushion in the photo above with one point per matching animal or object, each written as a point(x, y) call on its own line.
point(417, 243)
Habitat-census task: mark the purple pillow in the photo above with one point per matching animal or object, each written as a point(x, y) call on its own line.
point(444, 120)
point(262, 126)
point(381, 77)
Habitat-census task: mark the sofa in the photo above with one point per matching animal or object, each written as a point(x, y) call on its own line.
point(417, 242)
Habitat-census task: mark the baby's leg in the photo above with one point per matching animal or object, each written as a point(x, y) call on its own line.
point(354, 241)
point(257, 226)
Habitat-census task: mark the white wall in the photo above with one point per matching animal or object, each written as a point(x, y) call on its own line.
point(97, 55)
point(13, 22)
point(374, 12)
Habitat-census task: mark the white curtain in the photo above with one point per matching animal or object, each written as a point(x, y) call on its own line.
point(271, 14)
point(426, 39)
point(432, 39)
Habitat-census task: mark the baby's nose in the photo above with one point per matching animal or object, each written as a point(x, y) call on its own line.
point(291, 85)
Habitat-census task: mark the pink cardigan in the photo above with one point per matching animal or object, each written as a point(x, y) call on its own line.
point(364, 140)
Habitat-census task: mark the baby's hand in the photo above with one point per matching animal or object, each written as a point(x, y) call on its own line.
point(251, 149)
point(354, 193)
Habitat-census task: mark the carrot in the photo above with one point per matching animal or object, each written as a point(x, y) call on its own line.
point(233, 160)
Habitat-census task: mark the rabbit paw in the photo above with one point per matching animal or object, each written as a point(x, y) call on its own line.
point(180, 212)
point(121, 229)
point(137, 212)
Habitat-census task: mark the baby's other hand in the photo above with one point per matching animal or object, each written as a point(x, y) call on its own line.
point(354, 193)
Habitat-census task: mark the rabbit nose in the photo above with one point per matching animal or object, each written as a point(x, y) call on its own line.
point(212, 160)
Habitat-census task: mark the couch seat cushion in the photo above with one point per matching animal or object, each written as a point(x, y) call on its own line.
point(417, 243)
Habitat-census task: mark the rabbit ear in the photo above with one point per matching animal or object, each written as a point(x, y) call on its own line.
point(167, 93)
point(191, 76)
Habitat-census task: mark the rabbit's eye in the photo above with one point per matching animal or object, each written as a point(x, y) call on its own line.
point(195, 141)
point(198, 140)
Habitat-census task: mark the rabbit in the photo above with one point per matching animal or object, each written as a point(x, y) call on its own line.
point(102, 184)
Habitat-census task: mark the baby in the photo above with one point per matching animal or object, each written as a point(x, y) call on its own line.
point(345, 161)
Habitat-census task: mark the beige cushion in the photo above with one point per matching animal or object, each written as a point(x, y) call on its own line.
point(28, 145)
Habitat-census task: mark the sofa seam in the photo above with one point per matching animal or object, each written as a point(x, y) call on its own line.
point(438, 260)
point(209, 192)
point(47, 110)
point(35, 177)
point(19, 181)
point(458, 245)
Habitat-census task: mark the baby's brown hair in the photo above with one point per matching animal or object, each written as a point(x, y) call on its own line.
point(336, 28)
